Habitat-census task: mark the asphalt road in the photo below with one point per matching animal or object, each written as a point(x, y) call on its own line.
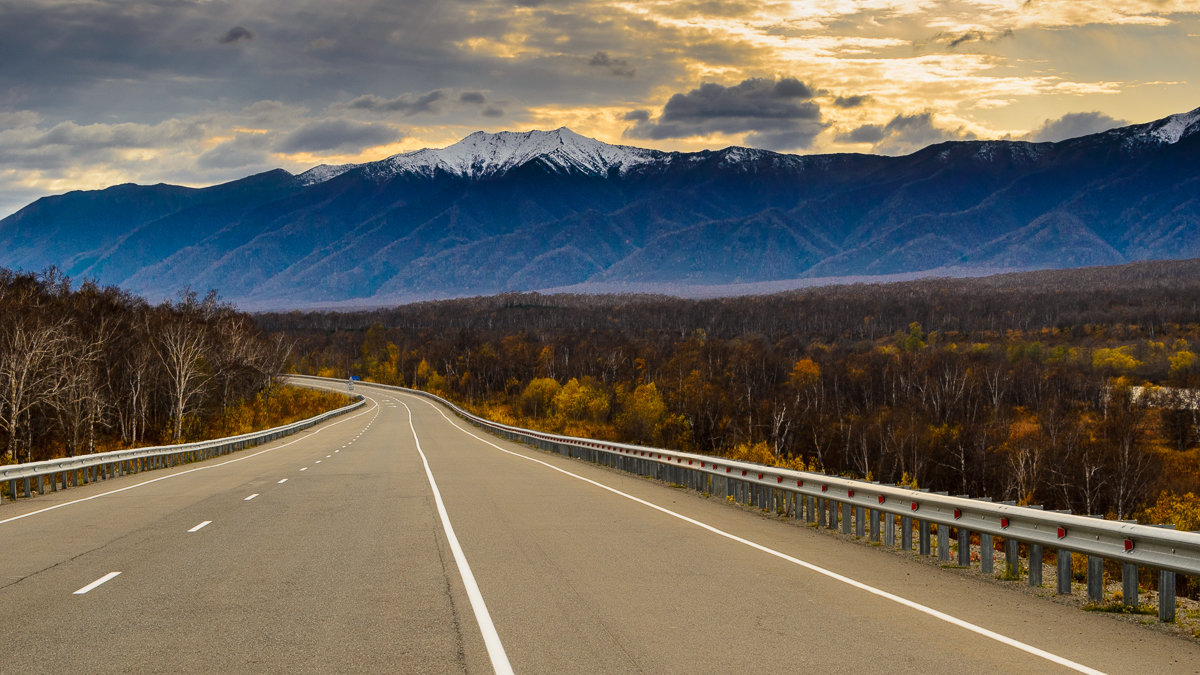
point(328, 552)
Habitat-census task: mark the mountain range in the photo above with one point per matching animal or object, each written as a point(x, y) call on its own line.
point(545, 210)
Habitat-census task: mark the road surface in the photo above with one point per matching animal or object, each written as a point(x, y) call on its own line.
point(328, 551)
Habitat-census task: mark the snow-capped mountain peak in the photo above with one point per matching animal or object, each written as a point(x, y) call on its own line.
point(1171, 129)
point(485, 154)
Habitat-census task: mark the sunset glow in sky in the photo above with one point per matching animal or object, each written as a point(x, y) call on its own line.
point(196, 92)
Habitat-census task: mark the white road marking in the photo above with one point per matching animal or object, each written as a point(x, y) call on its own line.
point(250, 497)
point(924, 609)
point(304, 469)
point(102, 580)
point(317, 462)
point(281, 481)
point(304, 437)
point(201, 526)
point(490, 638)
point(328, 456)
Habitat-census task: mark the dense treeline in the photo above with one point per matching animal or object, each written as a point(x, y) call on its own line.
point(1023, 387)
point(85, 369)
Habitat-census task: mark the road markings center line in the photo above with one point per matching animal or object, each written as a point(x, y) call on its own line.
point(201, 526)
point(304, 469)
point(250, 497)
point(491, 638)
point(924, 609)
point(281, 481)
point(102, 580)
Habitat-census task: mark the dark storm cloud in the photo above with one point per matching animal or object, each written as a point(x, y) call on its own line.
point(903, 134)
point(406, 104)
point(637, 116)
point(475, 97)
point(618, 67)
point(236, 34)
point(337, 135)
point(778, 114)
point(854, 101)
point(1074, 125)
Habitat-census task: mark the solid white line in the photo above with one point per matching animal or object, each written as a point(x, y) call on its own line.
point(104, 579)
point(199, 468)
point(979, 630)
point(201, 526)
point(281, 481)
point(250, 497)
point(490, 637)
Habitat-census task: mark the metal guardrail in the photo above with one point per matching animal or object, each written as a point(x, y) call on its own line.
point(55, 474)
point(871, 509)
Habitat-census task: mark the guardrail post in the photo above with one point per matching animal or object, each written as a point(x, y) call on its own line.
point(889, 530)
point(925, 545)
point(1012, 560)
point(1166, 596)
point(12, 489)
point(1095, 578)
point(986, 553)
point(964, 547)
point(859, 522)
point(822, 506)
point(1129, 584)
point(943, 542)
point(834, 508)
point(845, 517)
point(1064, 571)
point(1035, 564)
point(906, 533)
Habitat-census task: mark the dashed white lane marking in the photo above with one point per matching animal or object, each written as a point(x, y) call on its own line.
point(374, 407)
point(281, 481)
point(328, 456)
point(491, 638)
point(937, 614)
point(250, 497)
point(102, 580)
point(201, 526)
point(317, 462)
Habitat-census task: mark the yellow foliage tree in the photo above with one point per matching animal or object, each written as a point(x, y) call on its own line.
point(538, 396)
point(582, 400)
point(1117, 359)
point(641, 415)
point(1182, 511)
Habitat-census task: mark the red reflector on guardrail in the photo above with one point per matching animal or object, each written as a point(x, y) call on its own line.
point(1062, 532)
point(1004, 523)
point(850, 493)
point(760, 476)
point(957, 514)
point(1128, 545)
point(743, 472)
point(780, 479)
point(882, 499)
point(799, 483)
point(915, 506)
point(824, 488)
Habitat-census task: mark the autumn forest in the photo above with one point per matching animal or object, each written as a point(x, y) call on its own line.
point(1070, 389)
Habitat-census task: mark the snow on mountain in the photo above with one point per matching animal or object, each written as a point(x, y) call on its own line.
point(483, 154)
point(1175, 127)
point(324, 172)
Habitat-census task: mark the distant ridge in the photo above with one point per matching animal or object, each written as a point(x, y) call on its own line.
point(518, 211)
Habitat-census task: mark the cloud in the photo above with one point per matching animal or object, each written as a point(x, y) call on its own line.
point(235, 34)
point(903, 134)
point(406, 104)
point(618, 67)
point(475, 97)
point(778, 114)
point(854, 101)
point(492, 111)
point(636, 116)
point(1073, 125)
point(337, 135)
point(244, 150)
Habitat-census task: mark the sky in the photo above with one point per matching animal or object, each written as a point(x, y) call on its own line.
point(197, 92)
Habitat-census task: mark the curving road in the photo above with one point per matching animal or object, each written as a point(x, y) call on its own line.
point(334, 551)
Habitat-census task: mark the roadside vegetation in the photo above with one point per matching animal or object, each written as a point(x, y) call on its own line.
point(87, 369)
point(1070, 389)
